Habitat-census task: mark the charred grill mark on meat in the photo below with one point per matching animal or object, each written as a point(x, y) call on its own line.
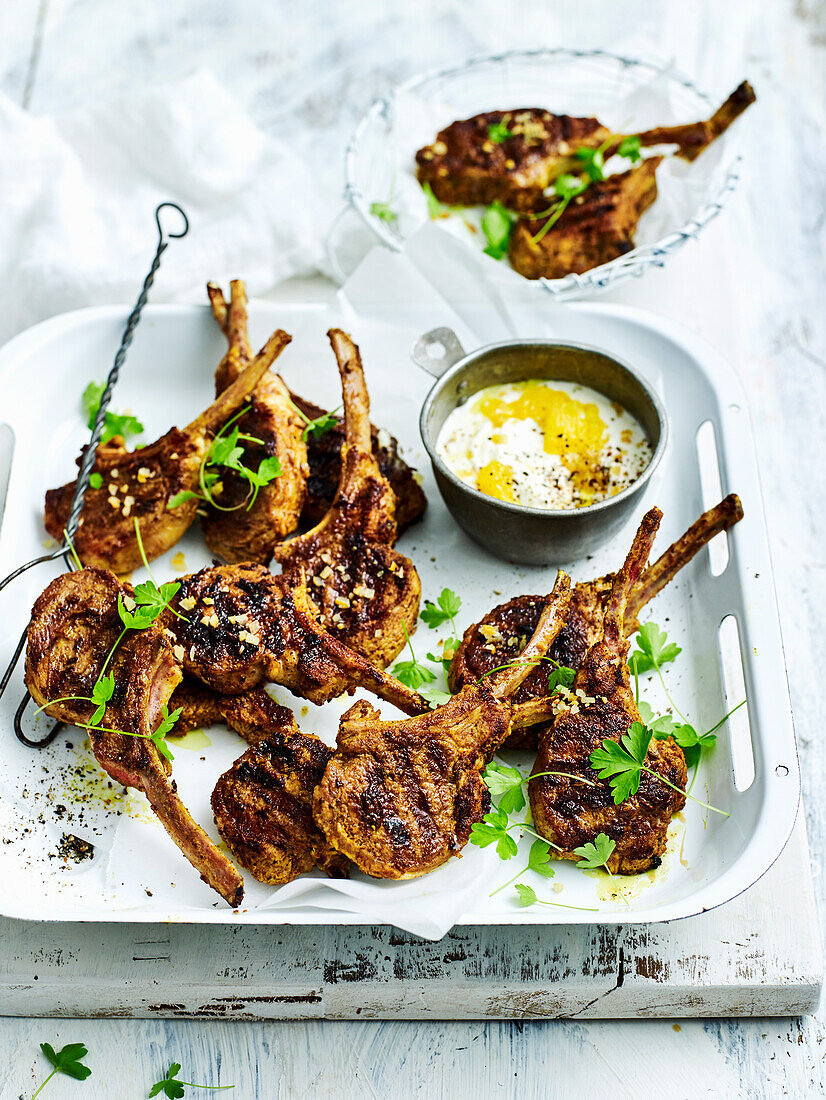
point(602, 706)
point(503, 632)
point(138, 485)
point(263, 809)
point(246, 627)
point(250, 533)
point(367, 594)
point(399, 798)
point(73, 627)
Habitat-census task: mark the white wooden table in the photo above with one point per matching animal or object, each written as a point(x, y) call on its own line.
point(313, 72)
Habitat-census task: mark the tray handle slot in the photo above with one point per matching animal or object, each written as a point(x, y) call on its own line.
point(711, 488)
point(734, 692)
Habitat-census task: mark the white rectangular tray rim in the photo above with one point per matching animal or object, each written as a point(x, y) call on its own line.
point(738, 471)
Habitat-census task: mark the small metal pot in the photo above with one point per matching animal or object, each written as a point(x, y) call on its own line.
point(534, 536)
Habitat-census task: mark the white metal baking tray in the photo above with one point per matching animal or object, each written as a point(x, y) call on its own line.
point(136, 873)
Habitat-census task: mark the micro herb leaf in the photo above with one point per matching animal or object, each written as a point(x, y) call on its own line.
point(152, 598)
point(527, 895)
point(446, 607)
point(497, 222)
point(413, 674)
point(561, 678)
point(498, 132)
point(435, 209)
point(184, 495)
point(67, 1060)
point(629, 148)
point(168, 721)
point(102, 692)
point(435, 696)
point(596, 854)
point(95, 480)
point(567, 186)
point(593, 163)
point(493, 829)
point(539, 859)
point(320, 426)
point(449, 648)
point(137, 619)
point(505, 786)
point(122, 424)
point(173, 1088)
point(383, 211)
point(622, 762)
point(653, 649)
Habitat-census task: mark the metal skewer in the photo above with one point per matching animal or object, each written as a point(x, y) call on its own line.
point(87, 463)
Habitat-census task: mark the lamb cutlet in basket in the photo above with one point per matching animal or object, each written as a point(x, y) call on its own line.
point(245, 627)
point(597, 226)
point(240, 529)
point(503, 633)
point(601, 706)
point(399, 798)
point(74, 625)
point(139, 485)
point(366, 592)
point(512, 156)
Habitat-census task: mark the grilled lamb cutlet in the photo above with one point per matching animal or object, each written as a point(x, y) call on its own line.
point(399, 798)
point(138, 485)
point(74, 625)
point(238, 530)
point(503, 632)
point(598, 226)
point(255, 715)
point(465, 166)
point(601, 707)
point(324, 457)
point(366, 592)
point(263, 809)
point(245, 627)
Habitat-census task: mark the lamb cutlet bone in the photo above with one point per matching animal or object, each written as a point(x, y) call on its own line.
point(498, 636)
point(237, 532)
point(140, 484)
point(366, 592)
point(245, 627)
point(569, 813)
point(399, 798)
point(73, 627)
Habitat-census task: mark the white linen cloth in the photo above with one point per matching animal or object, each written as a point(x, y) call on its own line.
point(79, 191)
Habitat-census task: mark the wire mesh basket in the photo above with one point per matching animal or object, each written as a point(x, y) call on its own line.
point(588, 82)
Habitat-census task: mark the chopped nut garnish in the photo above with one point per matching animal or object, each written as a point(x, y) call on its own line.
point(208, 600)
point(364, 591)
point(326, 572)
point(178, 650)
point(439, 148)
point(112, 488)
point(318, 582)
point(342, 601)
point(129, 603)
point(188, 602)
point(115, 502)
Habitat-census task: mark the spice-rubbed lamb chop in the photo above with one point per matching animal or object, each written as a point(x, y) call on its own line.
point(601, 706)
point(245, 627)
point(366, 592)
point(503, 633)
point(239, 530)
point(399, 798)
point(139, 485)
point(74, 625)
point(263, 809)
point(254, 714)
point(324, 457)
point(597, 226)
point(512, 156)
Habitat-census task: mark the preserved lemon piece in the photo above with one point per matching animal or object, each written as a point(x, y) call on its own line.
point(496, 480)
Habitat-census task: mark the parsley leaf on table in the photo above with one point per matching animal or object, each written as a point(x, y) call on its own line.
point(595, 855)
point(527, 895)
point(505, 786)
point(173, 1088)
point(412, 673)
point(493, 829)
point(653, 649)
point(67, 1060)
point(122, 424)
point(446, 608)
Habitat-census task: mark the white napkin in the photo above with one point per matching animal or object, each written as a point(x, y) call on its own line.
point(79, 191)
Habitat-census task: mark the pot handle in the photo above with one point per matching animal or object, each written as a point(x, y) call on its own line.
point(436, 351)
